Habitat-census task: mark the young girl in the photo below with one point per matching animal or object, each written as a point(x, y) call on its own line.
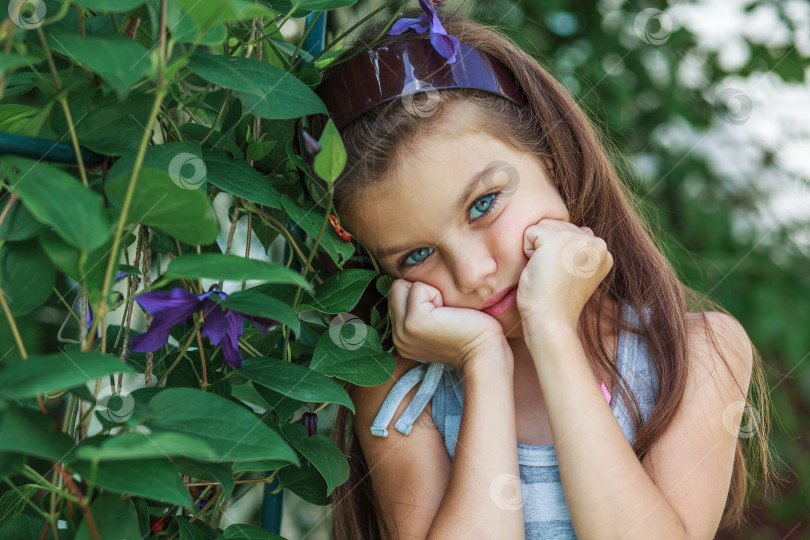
point(550, 379)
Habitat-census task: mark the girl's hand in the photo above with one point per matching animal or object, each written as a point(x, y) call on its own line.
point(423, 329)
point(566, 265)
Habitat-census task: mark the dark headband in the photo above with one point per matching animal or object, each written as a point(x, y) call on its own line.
point(382, 74)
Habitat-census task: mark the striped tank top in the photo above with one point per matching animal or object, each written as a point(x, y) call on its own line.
point(545, 512)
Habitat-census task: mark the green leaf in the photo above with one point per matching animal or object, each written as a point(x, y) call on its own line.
point(13, 501)
point(216, 142)
point(209, 14)
point(357, 358)
point(284, 406)
point(104, 124)
point(28, 431)
point(27, 276)
point(9, 61)
point(340, 292)
point(258, 149)
point(171, 157)
point(142, 446)
point(184, 29)
point(151, 478)
point(58, 199)
point(239, 178)
point(240, 531)
point(88, 270)
point(193, 531)
point(321, 452)
point(160, 202)
point(120, 61)
point(10, 464)
point(233, 267)
point(233, 432)
point(331, 160)
point(21, 119)
point(250, 302)
point(310, 219)
point(305, 7)
point(266, 91)
point(306, 482)
point(294, 381)
point(218, 472)
point(25, 527)
point(114, 518)
point(21, 225)
point(117, 6)
point(57, 371)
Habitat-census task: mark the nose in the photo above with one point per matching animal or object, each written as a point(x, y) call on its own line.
point(472, 265)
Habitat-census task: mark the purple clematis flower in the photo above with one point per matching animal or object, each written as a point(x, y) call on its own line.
point(222, 326)
point(445, 44)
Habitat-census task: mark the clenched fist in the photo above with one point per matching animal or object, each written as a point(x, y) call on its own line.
point(566, 265)
point(424, 329)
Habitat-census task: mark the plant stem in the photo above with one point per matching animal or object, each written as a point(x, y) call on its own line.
point(10, 319)
point(133, 180)
point(11, 200)
point(179, 357)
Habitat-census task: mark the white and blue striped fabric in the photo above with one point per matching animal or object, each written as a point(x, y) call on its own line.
point(544, 508)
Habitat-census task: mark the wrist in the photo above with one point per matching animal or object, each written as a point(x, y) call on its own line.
point(495, 359)
point(548, 332)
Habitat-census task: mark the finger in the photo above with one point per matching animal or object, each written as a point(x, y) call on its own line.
point(531, 240)
point(397, 301)
point(422, 294)
point(587, 230)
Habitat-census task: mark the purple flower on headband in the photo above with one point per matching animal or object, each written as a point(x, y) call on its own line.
point(171, 308)
point(444, 43)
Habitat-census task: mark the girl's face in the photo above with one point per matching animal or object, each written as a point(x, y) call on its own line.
point(441, 222)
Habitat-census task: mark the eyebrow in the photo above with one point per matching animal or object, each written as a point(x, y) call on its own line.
point(465, 195)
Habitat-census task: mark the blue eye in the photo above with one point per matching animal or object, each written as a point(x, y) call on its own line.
point(418, 255)
point(483, 205)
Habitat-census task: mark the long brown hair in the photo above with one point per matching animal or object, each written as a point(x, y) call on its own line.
point(553, 127)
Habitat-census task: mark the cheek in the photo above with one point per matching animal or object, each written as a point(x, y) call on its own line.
point(506, 235)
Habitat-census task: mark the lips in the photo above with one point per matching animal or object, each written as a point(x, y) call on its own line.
point(500, 303)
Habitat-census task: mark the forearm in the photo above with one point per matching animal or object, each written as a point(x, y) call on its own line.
point(480, 501)
point(608, 492)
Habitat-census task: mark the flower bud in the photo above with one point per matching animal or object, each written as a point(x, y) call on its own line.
point(310, 421)
point(310, 144)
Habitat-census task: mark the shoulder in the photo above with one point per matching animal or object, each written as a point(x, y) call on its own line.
point(409, 473)
point(691, 462)
point(368, 399)
point(715, 335)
